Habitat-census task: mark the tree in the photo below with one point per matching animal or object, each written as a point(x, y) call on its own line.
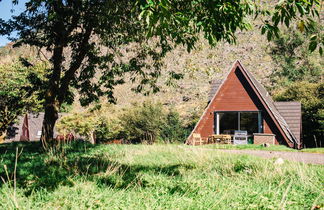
point(74, 33)
point(85, 39)
point(294, 61)
point(299, 77)
point(183, 20)
point(16, 95)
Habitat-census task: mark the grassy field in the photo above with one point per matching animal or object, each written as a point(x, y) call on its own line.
point(82, 176)
point(260, 147)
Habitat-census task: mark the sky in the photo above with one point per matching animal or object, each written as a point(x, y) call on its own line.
point(7, 9)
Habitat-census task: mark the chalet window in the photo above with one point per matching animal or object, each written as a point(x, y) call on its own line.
point(249, 122)
point(228, 122)
point(39, 134)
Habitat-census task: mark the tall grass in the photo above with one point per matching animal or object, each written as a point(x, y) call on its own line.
point(154, 177)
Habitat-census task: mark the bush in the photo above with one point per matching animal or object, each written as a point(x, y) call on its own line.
point(173, 129)
point(108, 129)
point(83, 124)
point(147, 122)
point(99, 125)
point(150, 122)
point(143, 122)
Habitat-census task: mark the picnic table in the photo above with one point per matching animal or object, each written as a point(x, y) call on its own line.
point(220, 139)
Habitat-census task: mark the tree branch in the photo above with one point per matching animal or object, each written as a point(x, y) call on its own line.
point(78, 59)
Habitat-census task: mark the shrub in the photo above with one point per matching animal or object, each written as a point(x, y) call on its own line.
point(108, 129)
point(83, 124)
point(143, 122)
point(99, 125)
point(173, 129)
point(147, 122)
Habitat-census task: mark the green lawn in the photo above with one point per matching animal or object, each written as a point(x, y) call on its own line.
point(83, 176)
point(260, 147)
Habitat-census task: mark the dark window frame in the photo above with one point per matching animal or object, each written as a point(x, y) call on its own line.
point(260, 119)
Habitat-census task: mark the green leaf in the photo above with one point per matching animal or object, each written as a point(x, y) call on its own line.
point(313, 37)
point(141, 15)
point(269, 35)
point(287, 21)
point(300, 8)
point(320, 51)
point(301, 26)
point(312, 46)
point(199, 23)
point(263, 30)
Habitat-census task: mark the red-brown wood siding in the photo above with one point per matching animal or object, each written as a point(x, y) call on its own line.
point(235, 95)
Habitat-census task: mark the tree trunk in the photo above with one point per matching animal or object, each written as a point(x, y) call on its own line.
point(58, 84)
point(50, 117)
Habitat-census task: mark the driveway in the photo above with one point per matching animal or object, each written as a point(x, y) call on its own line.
point(292, 156)
point(302, 157)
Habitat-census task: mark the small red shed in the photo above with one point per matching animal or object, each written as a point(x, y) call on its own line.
point(240, 102)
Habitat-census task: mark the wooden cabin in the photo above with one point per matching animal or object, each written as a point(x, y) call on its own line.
point(241, 103)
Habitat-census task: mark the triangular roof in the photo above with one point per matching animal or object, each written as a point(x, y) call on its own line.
point(263, 96)
point(35, 123)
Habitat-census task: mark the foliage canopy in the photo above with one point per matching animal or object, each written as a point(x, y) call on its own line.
point(295, 62)
point(17, 94)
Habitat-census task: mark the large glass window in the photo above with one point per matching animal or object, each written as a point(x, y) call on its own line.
point(249, 122)
point(228, 122)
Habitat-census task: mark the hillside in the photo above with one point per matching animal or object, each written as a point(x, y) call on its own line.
point(200, 66)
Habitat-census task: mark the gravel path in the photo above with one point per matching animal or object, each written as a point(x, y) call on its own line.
point(292, 156)
point(303, 157)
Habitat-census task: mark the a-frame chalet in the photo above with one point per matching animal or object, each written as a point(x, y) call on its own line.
point(240, 102)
